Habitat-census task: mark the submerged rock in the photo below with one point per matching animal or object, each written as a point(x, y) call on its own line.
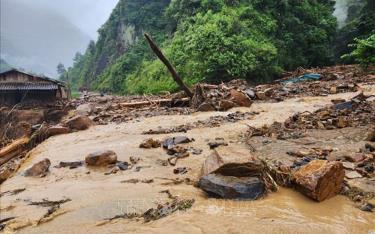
point(231, 187)
point(320, 180)
point(39, 169)
point(101, 158)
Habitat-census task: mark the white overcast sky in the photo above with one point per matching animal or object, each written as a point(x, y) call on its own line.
point(88, 15)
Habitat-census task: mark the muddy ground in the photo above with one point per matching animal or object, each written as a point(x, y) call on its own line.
point(94, 196)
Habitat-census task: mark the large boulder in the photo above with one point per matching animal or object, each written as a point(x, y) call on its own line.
point(320, 179)
point(240, 98)
point(39, 169)
point(79, 122)
point(232, 161)
point(232, 173)
point(231, 187)
point(101, 158)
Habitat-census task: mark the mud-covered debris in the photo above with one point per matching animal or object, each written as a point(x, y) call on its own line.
point(48, 203)
point(101, 158)
point(320, 180)
point(70, 165)
point(212, 122)
point(195, 151)
point(136, 181)
point(178, 151)
point(12, 192)
point(371, 135)
point(206, 107)
point(164, 210)
point(231, 187)
point(150, 143)
point(39, 169)
point(79, 122)
point(134, 160)
point(176, 181)
point(367, 207)
point(172, 141)
point(181, 170)
point(4, 221)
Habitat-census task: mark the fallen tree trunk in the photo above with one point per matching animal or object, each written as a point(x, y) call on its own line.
point(170, 67)
point(161, 102)
point(13, 149)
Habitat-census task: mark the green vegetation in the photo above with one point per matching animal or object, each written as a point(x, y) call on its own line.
point(209, 40)
point(364, 51)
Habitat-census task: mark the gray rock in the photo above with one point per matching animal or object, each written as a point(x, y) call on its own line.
point(230, 187)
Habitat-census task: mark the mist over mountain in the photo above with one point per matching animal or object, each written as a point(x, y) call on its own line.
point(37, 35)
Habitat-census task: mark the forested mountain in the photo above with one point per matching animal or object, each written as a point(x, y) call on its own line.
point(212, 40)
point(37, 39)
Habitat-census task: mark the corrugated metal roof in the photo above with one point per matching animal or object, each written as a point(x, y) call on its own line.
point(8, 86)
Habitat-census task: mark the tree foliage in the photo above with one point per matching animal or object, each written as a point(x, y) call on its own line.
point(207, 40)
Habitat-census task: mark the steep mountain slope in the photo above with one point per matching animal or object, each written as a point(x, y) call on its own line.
point(37, 39)
point(212, 40)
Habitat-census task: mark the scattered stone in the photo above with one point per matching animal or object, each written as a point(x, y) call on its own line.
point(178, 151)
point(370, 147)
point(150, 143)
point(367, 207)
point(349, 165)
point(320, 180)
point(39, 169)
point(352, 175)
point(355, 158)
point(85, 109)
point(195, 151)
point(101, 158)
point(79, 123)
point(71, 165)
point(217, 143)
point(48, 203)
point(230, 187)
point(123, 166)
point(170, 142)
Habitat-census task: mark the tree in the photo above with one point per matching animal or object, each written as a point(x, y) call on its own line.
point(61, 69)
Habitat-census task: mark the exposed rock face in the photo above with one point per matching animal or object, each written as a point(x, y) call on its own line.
point(230, 187)
point(57, 130)
point(79, 122)
point(240, 98)
point(101, 158)
point(231, 161)
point(39, 169)
point(320, 180)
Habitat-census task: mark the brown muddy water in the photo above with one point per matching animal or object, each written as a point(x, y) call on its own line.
point(95, 196)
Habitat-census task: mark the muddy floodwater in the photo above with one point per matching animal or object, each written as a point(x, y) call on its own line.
point(96, 196)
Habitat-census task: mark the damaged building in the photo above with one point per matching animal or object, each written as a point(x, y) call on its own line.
point(17, 87)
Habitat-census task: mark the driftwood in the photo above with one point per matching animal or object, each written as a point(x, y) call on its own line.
point(13, 149)
point(161, 102)
point(170, 67)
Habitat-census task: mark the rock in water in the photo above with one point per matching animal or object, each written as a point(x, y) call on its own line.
point(232, 161)
point(230, 187)
point(57, 130)
point(79, 122)
point(39, 169)
point(101, 158)
point(320, 180)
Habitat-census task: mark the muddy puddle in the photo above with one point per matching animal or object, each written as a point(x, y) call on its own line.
point(95, 196)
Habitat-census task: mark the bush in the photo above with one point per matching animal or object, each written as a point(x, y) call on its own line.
point(363, 52)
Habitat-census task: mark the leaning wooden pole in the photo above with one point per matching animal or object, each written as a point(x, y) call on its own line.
point(170, 67)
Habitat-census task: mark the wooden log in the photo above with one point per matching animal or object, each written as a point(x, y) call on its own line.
point(15, 145)
point(13, 150)
point(161, 102)
point(170, 67)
